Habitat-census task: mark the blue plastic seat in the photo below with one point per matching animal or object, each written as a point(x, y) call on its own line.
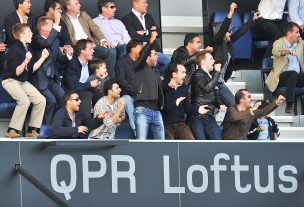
point(267, 65)
point(46, 131)
point(243, 45)
point(124, 131)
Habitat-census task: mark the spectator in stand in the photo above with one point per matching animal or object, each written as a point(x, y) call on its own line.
point(113, 29)
point(18, 68)
point(69, 122)
point(21, 15)
point(271, 23)
point(140, 25)
point(204, 92)
point(115, 105)
point(177, 104)
point(223, 51)
point(239, 117)
point(77, 74)
point(288, 65)
point(149, 98)
point(77, 25)
point(47, 78)
point(101, 74)
point(296, 13)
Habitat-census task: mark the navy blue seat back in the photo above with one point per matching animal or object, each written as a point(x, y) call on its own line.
point(6, 101)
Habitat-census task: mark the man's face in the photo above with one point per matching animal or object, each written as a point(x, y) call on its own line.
point(27, 35)
point(74, 7)
point(153, 58)
point(141, 6)
point(56, 9)
point(195, 45)
point(180, 75)
point(88, 51)
point(115, 92)
point(294, 35)
point(26, 6)
point(109, 10)
point(47, 28)
point(136, 50)
point(208, 62)
point(246, 99)
point(74, 102)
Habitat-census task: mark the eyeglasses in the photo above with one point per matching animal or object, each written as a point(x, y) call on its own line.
point(112, 7)
point(75, 99)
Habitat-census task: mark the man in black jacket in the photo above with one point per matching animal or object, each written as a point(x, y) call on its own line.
point(140, 25)
point(204, 92)
point(177, 104)
point(21, 15)
point(70, 123)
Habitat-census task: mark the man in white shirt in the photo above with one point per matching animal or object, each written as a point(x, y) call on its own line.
point(77, 25)
point(296, 13)
point(113, 29)
point(271, 22)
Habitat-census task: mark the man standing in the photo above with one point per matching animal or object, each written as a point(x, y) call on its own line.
point(288, 65)
point(77, 25)
point(115, 105)
point(239, 117)
point(69, 123)
point(77, 74)
point(149, 99)
point(177, 104)
point(140, 25)
point(21, 15)
point(187, 54)
point(114, 30)
point(204, 91)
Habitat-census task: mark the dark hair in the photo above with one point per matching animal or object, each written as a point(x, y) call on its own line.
point(50, 4)
point(17, 2)
point(81, 45)
point(239, 95)
point(18, 29)
point(108, 86)
point(133, 43)
point(288, 27)
point(103, 3)
point(189, 38)
point(95, 64)
point(67, 96)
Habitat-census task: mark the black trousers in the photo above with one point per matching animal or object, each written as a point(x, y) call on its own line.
point(86, 102)
point(290, 80)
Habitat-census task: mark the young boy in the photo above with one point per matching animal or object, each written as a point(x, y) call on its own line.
point(101, 74)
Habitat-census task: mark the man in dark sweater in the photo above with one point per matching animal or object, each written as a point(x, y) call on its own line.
point(239, 117)
point(177, 103)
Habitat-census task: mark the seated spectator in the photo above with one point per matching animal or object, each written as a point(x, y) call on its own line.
point(288, 65)
point(115, 106)
point(223, 51)
point(77, 74)
point(296, 13)
point(149, 99)
point(271, 23)
point(140, 24)
point(186, 54)
point(239, 117)
point(2, 56)
point(113, 29)
point(47, 78)
point(177, 103)
point(264, 127)
point(75, 20)
point(21, 15)
point(18, 68)
point(101, 74)
point(204, 92)
point(70, 123)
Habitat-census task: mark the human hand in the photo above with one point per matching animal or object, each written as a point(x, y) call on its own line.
point(203, 110)
point(256, 105)
point(217, 67)
point(280, 100)
point(94, 83)
point(153, 36)
point(82, 129)
point(28, 57)
point(107, 44)
point(103, 114)
point(44, 53)
point(2, 47)
point(179, 100)
point(222, 108)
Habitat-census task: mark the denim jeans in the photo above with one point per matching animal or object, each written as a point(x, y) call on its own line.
point(205, 127)
point(226, 95)
point(130, 110)
point(145, 118)
point(162, 63)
